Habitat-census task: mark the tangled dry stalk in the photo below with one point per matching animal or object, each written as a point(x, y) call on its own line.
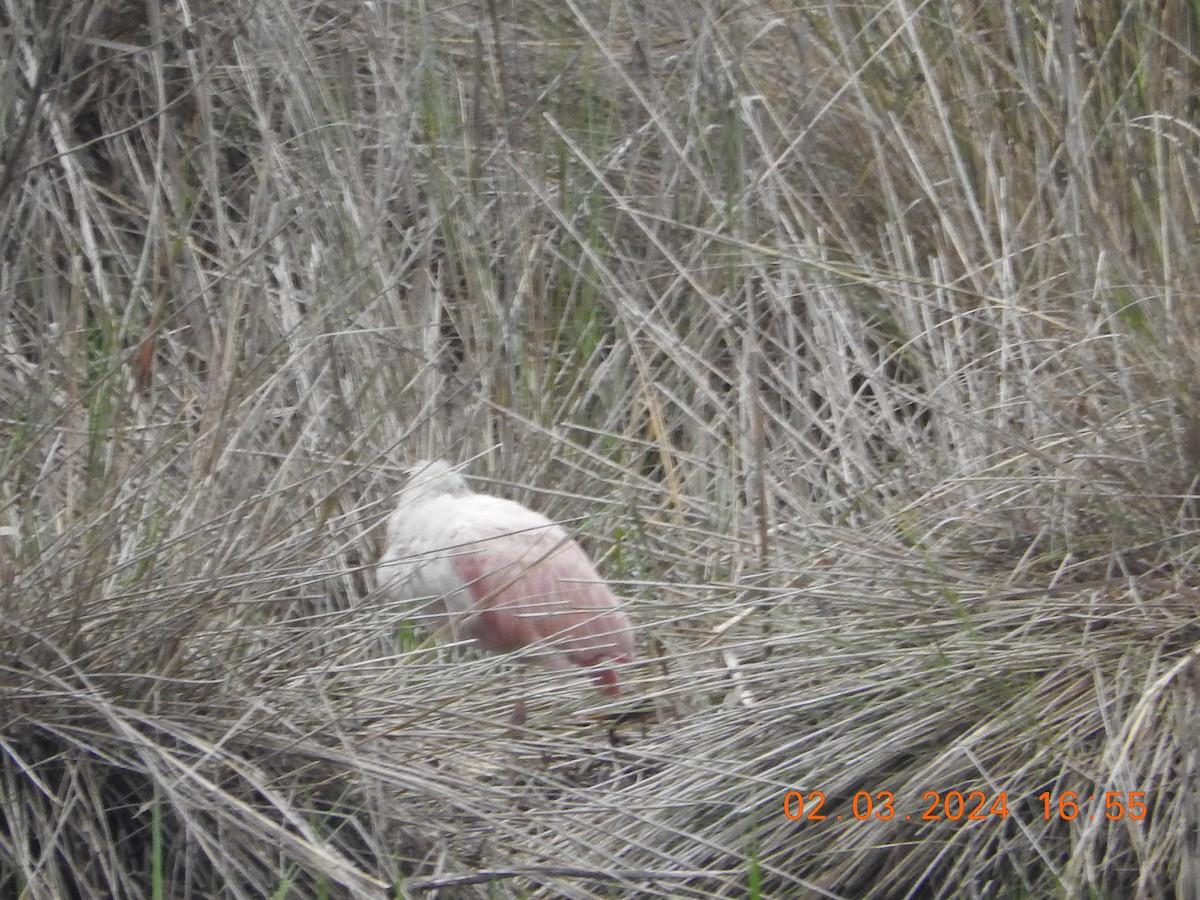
point(857, 342)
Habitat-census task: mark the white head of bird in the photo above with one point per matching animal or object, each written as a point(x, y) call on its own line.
point(501, 575)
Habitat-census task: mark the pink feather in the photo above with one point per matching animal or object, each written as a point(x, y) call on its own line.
point(503, 576)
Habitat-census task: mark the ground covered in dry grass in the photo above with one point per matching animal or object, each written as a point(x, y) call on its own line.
point(859, 343)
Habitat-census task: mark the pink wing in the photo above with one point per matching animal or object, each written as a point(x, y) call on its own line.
point(539, 589)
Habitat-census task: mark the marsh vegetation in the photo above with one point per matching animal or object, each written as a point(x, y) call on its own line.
point(857, 342)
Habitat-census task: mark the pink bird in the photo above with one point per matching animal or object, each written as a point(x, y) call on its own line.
point(503, 576)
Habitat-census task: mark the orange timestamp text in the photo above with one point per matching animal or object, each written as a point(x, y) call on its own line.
point(1117, 805)
point(969, 806)
point(954, 805)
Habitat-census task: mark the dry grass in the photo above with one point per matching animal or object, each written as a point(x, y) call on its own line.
point(858, 342)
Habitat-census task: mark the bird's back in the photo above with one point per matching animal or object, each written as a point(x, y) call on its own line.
point(447, 521)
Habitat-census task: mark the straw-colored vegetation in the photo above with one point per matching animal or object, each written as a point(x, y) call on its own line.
point(859, 343)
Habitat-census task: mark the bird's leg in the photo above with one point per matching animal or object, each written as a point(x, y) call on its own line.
point(516, 722)
point(520, 714)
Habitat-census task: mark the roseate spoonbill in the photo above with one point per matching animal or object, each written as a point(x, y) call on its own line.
point(502, 576)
